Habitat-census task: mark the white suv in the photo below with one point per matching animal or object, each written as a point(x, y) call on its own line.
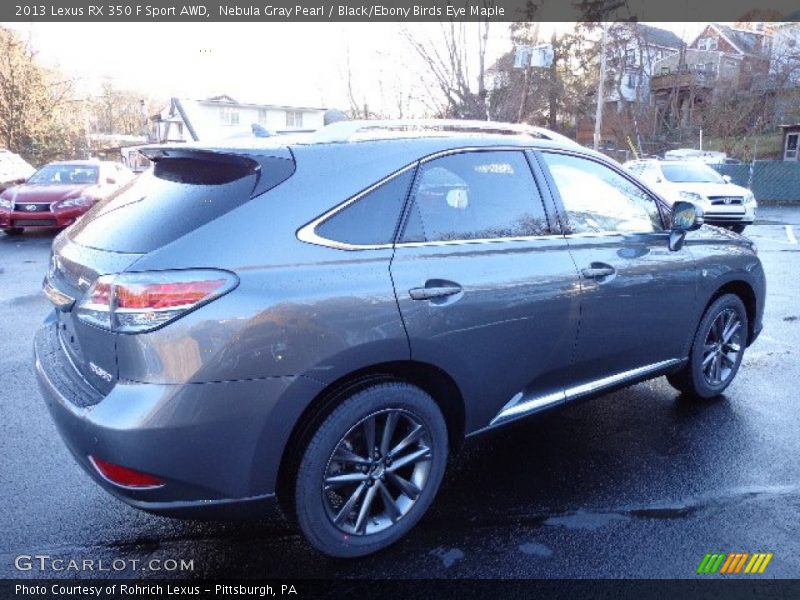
point(723, 202)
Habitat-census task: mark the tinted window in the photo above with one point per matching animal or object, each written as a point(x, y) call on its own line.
point(597, 198)
point(176, 197)
point(475, 195)
point(373, 218)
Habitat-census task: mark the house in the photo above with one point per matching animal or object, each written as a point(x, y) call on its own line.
point(791, 142)
point(632, 57)
point(220, 117)
point(719, 59)
point(785, 53)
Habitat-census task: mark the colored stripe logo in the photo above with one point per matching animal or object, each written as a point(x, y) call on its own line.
point(734, 562)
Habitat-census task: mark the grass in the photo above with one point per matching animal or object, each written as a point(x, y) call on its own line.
point(766, 146)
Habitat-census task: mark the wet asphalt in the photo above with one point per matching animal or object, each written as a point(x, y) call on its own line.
point(638, 483)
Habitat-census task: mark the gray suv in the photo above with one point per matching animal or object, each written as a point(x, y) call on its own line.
point(320, 320)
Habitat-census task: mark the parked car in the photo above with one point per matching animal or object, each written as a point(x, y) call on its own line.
point(59, 193)
point(13, 169)
point(322, 321)
point(709, 157)
point(723, 202)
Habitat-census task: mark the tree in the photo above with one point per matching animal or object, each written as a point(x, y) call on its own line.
point(455, 70)
point(119, 111)
point(39, 118)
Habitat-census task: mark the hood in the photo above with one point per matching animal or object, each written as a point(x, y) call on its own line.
point(707, 189)
point(44, 192)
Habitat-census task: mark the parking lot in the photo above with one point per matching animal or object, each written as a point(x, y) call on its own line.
point(639, 483)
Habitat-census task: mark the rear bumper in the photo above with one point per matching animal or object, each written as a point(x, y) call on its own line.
point(217, 446)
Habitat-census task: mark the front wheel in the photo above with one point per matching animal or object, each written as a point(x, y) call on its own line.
point(738, 228)
point(717, 350)
point(371, 470)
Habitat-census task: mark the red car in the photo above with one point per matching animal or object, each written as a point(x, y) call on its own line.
point(58, 193)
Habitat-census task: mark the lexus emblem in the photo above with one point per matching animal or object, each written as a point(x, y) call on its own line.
point(727, 201)
point(30, 207)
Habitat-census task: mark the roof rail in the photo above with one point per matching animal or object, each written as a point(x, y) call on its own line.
point(345, 131)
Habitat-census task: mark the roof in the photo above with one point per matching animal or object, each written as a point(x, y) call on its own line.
point(81, 163)
point(229, 101)
point(744, 41)
point(656, 36)
point(425, 141)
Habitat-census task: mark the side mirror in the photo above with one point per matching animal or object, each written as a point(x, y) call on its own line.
point(727, 178)
point(686, 217)
point(111, 181)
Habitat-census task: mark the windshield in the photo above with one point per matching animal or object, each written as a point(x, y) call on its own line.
point(66, 175)
point(691, 173)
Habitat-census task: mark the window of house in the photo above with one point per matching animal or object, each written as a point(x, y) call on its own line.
point(630, 56)
point(598, 199)
point(475, 195)
point(228, 116)
point(665, 70)
point(294, 118)
point(262, 116)
point(632, 79)
point(707, 43)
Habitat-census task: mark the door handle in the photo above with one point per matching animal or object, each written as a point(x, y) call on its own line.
point(598, 271)
point(433, 292)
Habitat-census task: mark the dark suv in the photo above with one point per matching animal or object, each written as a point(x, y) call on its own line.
point(321, 319)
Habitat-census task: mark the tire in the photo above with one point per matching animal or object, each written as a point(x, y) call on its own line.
point(322, 509)
point(738, 228)
point(714, 362)
point(13, 231)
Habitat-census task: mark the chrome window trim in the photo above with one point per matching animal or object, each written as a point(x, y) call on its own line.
point(520, 406)
point(307, 233)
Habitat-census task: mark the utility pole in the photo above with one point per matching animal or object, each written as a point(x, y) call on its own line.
point(598, 115)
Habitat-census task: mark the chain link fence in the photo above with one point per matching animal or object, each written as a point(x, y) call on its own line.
point(771, 181)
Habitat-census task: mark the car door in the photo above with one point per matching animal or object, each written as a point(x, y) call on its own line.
point(637, 296)
point(485, 283)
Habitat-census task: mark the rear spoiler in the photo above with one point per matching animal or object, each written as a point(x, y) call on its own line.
point(271, 165)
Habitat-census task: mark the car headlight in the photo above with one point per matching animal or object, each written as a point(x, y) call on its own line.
point(691, 197)
point(71, 202)
point(6, 203)
point(749, 198)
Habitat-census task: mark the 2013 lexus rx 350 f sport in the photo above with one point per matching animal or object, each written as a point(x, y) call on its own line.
point(320, 320)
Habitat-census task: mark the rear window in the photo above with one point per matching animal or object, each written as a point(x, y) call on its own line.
point(177, 196)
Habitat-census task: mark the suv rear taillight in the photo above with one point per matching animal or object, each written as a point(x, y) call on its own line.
point(138, 302)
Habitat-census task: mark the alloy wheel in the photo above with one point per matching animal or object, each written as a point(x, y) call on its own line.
point(723, 345)
point(377, 472)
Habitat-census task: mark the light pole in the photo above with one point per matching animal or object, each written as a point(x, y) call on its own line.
point(598, 115)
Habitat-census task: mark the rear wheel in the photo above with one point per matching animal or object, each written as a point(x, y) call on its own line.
point(371, 470)
point(13, 230)
point(717, 350)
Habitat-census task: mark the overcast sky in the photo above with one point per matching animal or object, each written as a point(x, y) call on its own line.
point(275, 63)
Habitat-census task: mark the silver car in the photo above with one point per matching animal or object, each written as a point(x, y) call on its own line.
point(322, 319)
